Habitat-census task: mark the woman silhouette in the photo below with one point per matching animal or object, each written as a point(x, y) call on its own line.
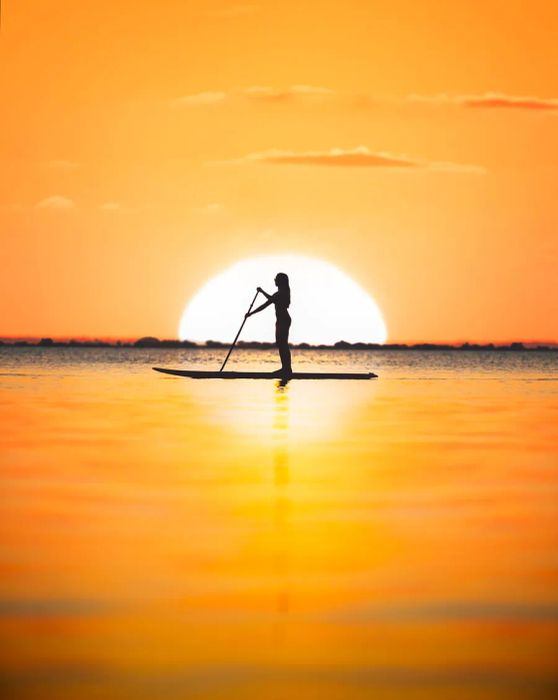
point(282, 300)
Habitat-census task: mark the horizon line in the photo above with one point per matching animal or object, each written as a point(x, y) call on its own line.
point(132, 340)
point(390, 341)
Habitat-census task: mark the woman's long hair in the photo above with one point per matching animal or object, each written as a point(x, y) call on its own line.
point(282, 282)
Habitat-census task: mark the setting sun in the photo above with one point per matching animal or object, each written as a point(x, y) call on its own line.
point(279, 350)
point(329, 306)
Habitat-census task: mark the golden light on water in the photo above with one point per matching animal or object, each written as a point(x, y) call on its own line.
point(310, 412)
point(327, 305)
point(167, 534)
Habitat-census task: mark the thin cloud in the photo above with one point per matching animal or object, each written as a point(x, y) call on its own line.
point(262, 93)
point(496, 101)
point(199, 99)
point(357, 157)
point(360, 157)
point(56, 202)
point(255, 93)
point(302, 93)
point(491, 100)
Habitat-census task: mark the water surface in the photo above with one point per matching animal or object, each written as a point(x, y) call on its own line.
point(168, 538)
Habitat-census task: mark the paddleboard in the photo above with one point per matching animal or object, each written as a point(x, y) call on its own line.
point(202, 374)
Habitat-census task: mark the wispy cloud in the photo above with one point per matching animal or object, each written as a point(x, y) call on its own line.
point(199, 99)
point(56, 202)
point(263, 93)
point(360, 157)
point(356, 157)
point(313, 93)
point(490, 100)
point(255, 93)
point(496, 101)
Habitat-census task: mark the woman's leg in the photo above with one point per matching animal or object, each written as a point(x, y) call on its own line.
point(282, 340)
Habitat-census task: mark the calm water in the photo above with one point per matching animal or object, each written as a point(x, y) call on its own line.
point(170, 538)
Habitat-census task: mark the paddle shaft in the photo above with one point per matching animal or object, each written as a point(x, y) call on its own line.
point(238, 334)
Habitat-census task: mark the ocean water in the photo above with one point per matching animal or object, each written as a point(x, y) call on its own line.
point(170, 538)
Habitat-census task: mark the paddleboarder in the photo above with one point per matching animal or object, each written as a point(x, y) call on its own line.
point(282, 300)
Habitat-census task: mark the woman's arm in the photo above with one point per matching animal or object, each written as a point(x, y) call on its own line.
point(260, 308)
point(262, 291)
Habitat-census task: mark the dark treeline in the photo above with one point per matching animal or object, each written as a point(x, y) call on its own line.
point(152, 343)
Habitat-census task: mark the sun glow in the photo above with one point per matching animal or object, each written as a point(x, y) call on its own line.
point(327, 305)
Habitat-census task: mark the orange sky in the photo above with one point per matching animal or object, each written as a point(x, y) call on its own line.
point(135, 158)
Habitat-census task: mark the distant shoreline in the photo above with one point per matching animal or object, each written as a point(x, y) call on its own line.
point(153, 343)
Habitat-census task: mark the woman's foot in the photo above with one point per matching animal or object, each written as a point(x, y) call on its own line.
point(283, 372)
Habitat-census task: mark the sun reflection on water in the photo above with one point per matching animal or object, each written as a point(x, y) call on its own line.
point(282, 505)
point(254, 410)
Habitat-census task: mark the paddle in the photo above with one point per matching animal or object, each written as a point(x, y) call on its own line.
point(239, 332)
